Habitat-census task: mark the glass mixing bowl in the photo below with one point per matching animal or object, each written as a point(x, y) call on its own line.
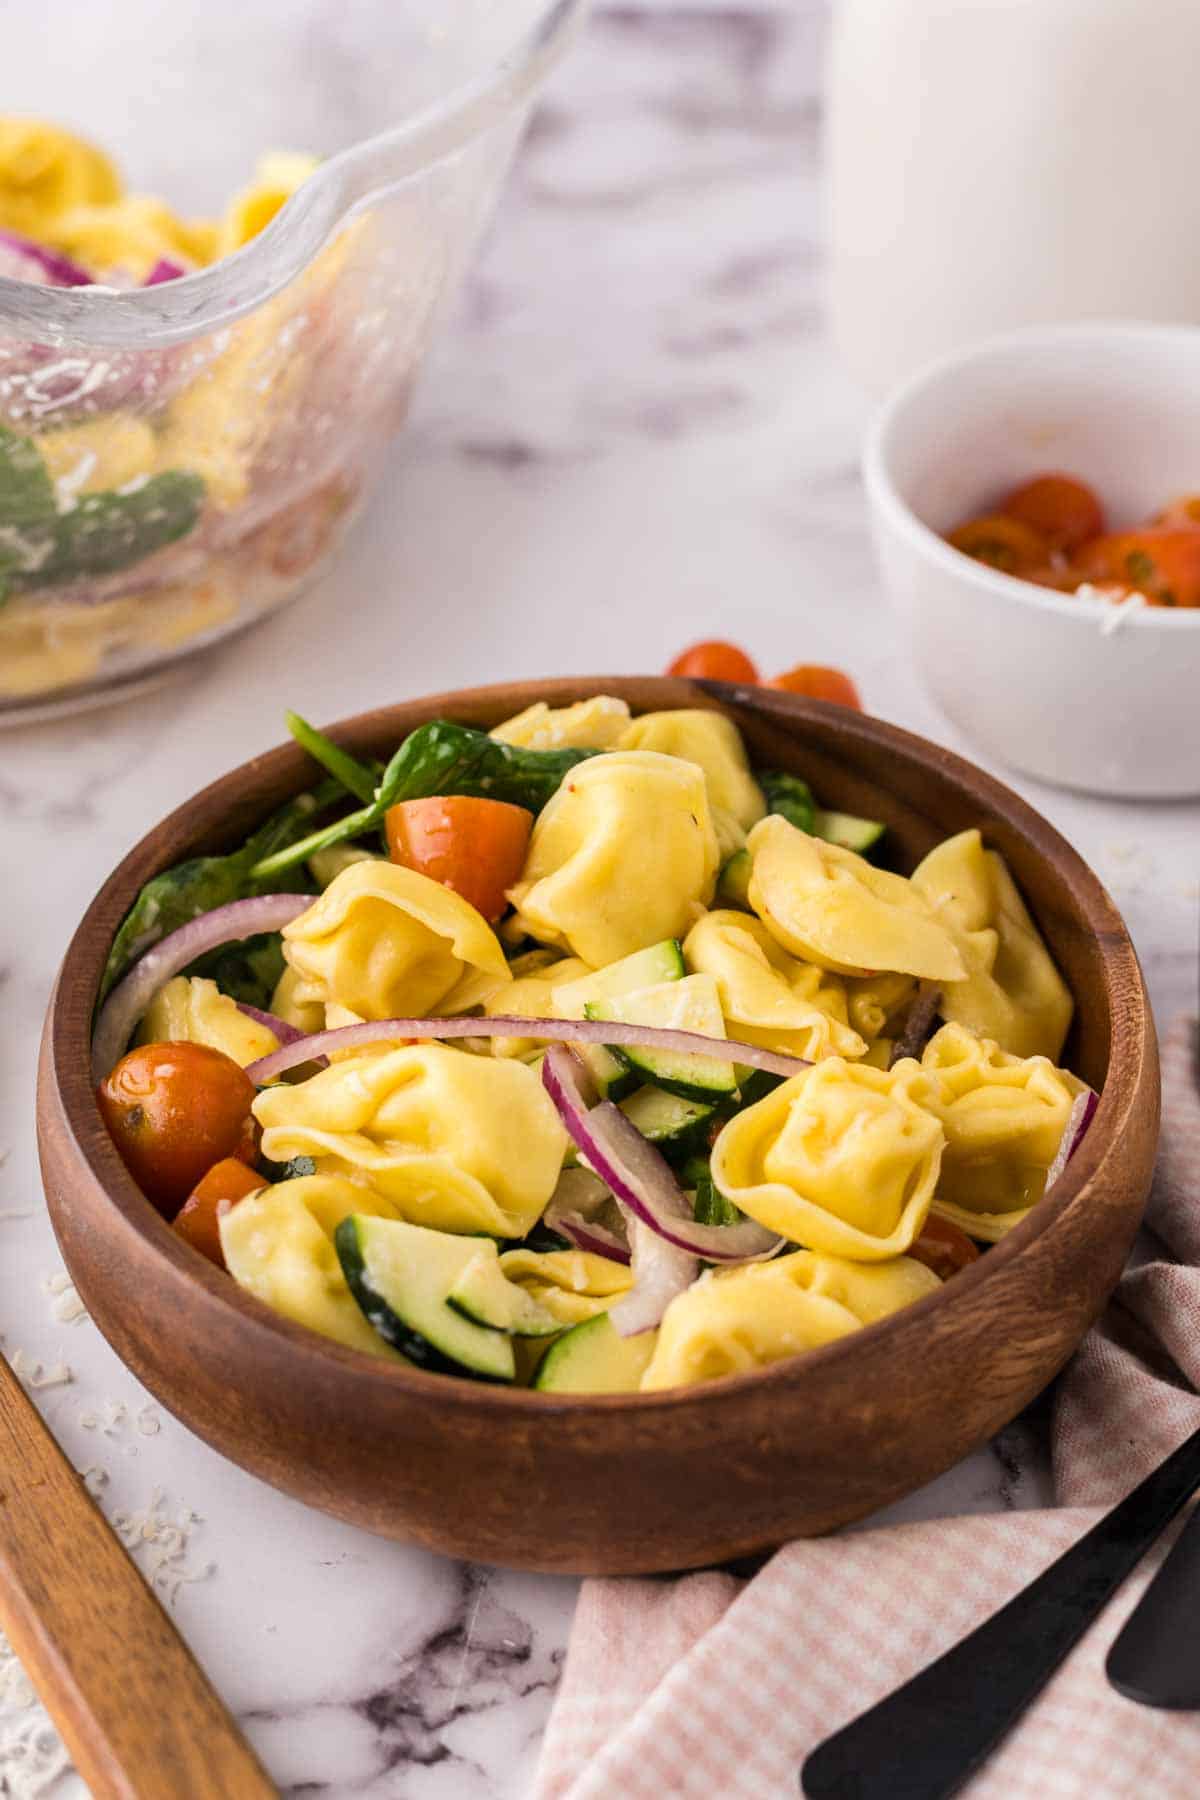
point(199, 447)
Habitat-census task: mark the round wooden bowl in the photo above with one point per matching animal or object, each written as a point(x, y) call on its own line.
point(620, 1484)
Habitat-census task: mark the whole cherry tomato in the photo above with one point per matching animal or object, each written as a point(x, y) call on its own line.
point(1062, 510)
point(477, 847)
point(199, 1219)
point(715, 661)
point(818, 683)
point(1005, 544)
point(1162, 562)
point(943, 1248)
point(173, 1110)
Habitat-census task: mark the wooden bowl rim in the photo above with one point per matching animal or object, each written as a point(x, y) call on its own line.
point(83, 963)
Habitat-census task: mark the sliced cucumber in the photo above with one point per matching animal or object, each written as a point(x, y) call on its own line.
point(691, 1004)
point(666, 1120)
point(401, 1276)
point(711, 1207)
point(593, 1358)
point(845, 830)
point(484, 1294)
point(733, 883)
point(645, 968)
point(613, 1078)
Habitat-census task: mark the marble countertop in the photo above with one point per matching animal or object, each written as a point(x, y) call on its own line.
point(634, 435)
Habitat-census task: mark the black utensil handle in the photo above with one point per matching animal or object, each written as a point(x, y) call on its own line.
point(1156, 1658)
point(923, 1741)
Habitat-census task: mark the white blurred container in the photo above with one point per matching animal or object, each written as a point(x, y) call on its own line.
point(1061, 686)
point(997, 163)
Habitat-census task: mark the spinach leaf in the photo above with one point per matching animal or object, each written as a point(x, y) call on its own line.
point(248, 971)
point(203, 883)
point(356, 777)
point(789, 796)
point(97, 535)
point(442, 758)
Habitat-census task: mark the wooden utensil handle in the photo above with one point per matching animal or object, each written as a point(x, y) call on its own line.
point(923, 1741)
point(134, 1708)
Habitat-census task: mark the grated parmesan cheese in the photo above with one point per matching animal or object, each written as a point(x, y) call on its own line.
point(35, 1374)
point(66, 1306)
point(166, 1542)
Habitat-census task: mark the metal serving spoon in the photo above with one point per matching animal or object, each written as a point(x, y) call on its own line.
point(924, 1741)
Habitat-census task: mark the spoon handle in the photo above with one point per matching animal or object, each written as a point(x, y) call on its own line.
point(923, 1741)
point(1156, 1657)
point(135, 1711)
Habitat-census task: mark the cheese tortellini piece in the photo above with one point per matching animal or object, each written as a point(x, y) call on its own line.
point(194, 1010)
point(835, 909)
point(768, 997)
point(573, 1285)
point(715, 743)
point(44, 171)
point(595, 724)
point(877, 1004)
point(731, 1322)
point(1004, 1117)
point(456, 1142)
point(385, 942)
point(530, 995)
point(842, 1158)
point(278, 1245)
point(1012, 991)
point(623, 856)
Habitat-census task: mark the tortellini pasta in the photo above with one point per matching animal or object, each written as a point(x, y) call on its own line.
point(572, 1284)
point(386, 942)
point(530, 995)
point(842, 1158)
point(44, 171)
point(1012, 991)
point(278, 1245)
point(731, 1322)
point(305, 1015)
point(768, 997)
point(595, 724)
point(835, 909)
point(624, 855)
point(196, 1011)
point(1004, 1117)
point(457, 1142)
point(715, 743)
point(276, 179)
point(876, 1004)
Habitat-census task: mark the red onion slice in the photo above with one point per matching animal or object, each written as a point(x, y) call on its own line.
point(661, 1271)
point(164, 270)
point(130, 998)
point(556, 1031)
point(1074, 1132)
point(578, 1194)
point(21, 259)
point(639, 1177)
point(287, 1034)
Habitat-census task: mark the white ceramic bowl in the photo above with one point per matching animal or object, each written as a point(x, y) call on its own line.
point(1040, 680)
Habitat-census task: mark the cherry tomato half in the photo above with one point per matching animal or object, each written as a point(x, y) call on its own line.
point(1161, 562)
point(715, 661)
point(173, 1110)
point(818, 683)
point(477, 847)
point(943, 1248)
point(1062, 510)
point(198, 1221)
point(1004, 544)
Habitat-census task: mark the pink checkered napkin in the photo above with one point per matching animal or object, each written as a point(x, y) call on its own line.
point(708, 1686)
